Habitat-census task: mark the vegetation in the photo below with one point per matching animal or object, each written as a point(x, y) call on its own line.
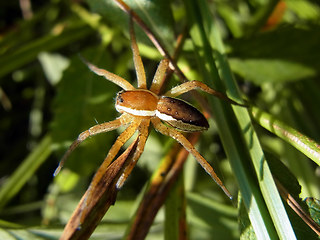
point(263, 52)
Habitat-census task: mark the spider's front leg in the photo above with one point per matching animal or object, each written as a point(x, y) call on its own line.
point(124, 84)
point(124, 119)
point(137, 123)
point(141, 75)
point(190, 148)
point(121, 140)
point(192, 85)
point(159, 76)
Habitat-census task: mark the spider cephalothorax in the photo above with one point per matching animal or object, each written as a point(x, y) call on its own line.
point(175, 112)
point(140, 106)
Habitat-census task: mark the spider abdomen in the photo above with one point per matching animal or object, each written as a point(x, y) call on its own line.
point(137, 102)
point(181, 115)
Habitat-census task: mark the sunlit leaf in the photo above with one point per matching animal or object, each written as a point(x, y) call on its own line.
point(156, 13)
point(314, 209)
point(286, 54)
point(53, 66)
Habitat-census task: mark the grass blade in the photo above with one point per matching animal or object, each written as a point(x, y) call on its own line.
point(242, 145)
point(301, 142)
point(25, 171)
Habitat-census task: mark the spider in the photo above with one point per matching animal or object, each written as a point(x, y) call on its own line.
point(140, 106)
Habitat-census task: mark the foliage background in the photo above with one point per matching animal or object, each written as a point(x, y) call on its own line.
point(49, 96)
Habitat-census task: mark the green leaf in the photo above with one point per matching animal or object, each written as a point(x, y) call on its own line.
point(28, 52)
point(156, 13)
point(284, 176)
point(314, 209)
point(307, 10)
point(207, 41)
point(269, 57)
point(25, 171)
point(53, 66)
point(209, 218)
point(175, 211)
point(83, 100)
point(304, 144)
point(261, 70)
point(246, 228)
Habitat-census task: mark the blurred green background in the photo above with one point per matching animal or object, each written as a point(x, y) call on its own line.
point(48, 96)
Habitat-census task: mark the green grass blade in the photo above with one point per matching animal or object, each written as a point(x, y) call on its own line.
point(25, 171)
point(175, 211)
point(240, 145)
point(29, 51)
point(261, 16)
point(301, 142)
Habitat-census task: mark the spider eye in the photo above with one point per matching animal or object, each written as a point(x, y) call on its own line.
point(119, 97)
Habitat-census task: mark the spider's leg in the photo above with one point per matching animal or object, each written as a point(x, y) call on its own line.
point(124, 84)
point(121, 140)
point(141, 75)
point(190, 148)
point(159, 76)
point(192, 85)
point(96, 129)
point(143, 135)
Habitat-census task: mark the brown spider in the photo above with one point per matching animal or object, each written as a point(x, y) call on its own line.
point(140, 106)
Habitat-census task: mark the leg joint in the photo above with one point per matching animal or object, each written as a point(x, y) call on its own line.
point(82, 136)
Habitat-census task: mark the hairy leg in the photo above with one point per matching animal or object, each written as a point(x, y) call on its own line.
point(141, 75)
point(124, 84)
point(124, 119)
point(143, 135)
point(192, 85)
point(121, 140)
point(190, 148)
point(98, 177)
point(159, 76)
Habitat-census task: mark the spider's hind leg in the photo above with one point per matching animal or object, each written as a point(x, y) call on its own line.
point(190, 148)
point(192, 85)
